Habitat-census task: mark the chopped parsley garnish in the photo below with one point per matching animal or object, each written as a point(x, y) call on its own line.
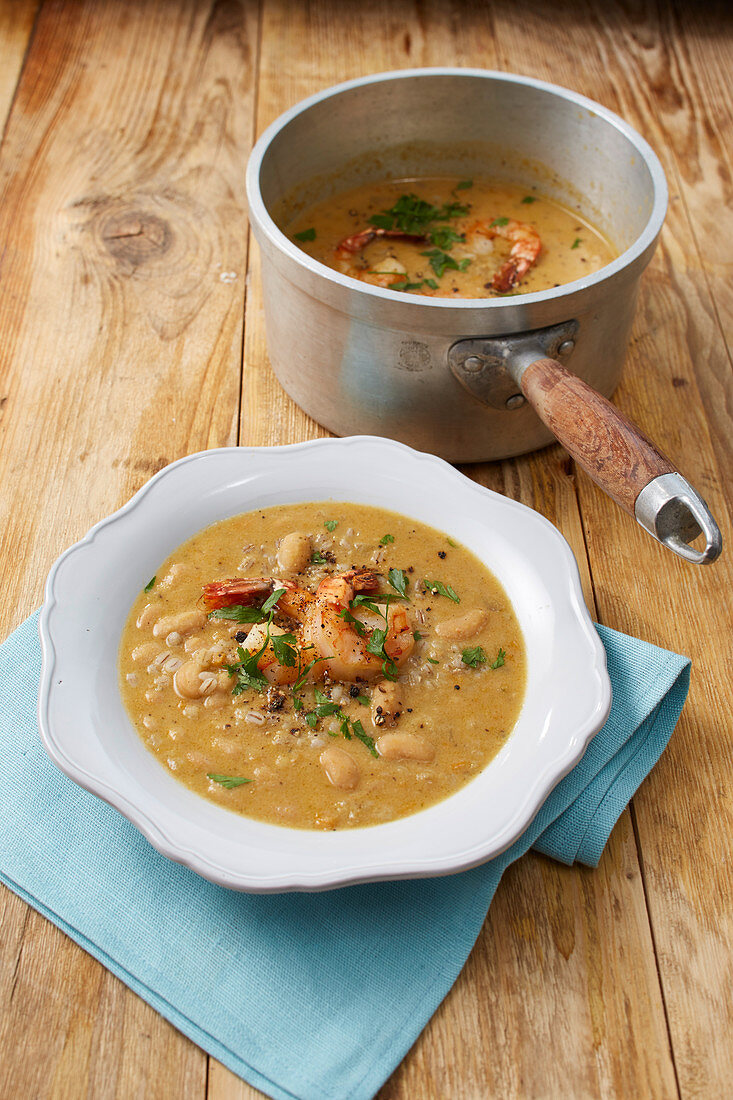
point(326, 708)
point(353, 621)
point(444, 237)
point(227, 781)
point(575, 243)
point(149, 585)
point(247, 674)
point(452, 543)
point(500, 221)
point(269, 604)
point(440, 261)
point(439, 589)
point(283, 646)
point(529, 198)
point(499, 659)
point(463, 185)
point(363, 699)
point(386, 539)
point(306, 235)
point(364, 737)
point(417, 635)
point(238, 613)
point(413, 215)
point(331, 524)
point(398, 579)
point(318, 558)
point(474, 656)
point(433, 661)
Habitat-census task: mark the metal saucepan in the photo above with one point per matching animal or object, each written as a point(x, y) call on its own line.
point(477, 379)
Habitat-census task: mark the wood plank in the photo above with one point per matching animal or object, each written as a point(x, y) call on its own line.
point(677, 372)
point(16, 25)
point(481, 1035)
point(125, 248)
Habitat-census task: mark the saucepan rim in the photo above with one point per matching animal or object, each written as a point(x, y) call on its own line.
point(261, 218)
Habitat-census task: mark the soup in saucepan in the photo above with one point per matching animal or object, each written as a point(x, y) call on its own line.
point(323, 665)
point(447, 237)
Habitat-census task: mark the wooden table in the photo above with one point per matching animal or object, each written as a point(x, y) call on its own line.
point(132, 333)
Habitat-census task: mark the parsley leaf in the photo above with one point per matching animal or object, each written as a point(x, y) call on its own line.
point(417, 635)
point(444, 237)
point(331, 524)
point(353, 621)
point(382, 221)
point(398, 579)
point(575, 243)
point(440, 260)
point(385, 539)
point(529, 198)
point(452, 543)
point(318, 558)
point(238, 613)
point(149, 585)
point(306, 235)
point(433, 661)
point(439, 589)
point(473, 656)
point(271, 600)
point(364, 737)
point(463, 185)
point(499, 659)
point(227, 781)
point(500, 221)
point(363, 699)
point(284, 648)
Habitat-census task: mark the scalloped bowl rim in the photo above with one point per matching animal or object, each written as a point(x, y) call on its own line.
point(88, 735)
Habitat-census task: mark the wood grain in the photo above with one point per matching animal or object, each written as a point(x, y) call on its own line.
point(677, 362)
point(611, 450)
point(125, 277)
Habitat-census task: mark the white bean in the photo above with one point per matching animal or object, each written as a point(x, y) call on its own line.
point(145, 652)
point(341, 769)
point(387, 704)
point(294, 552)
point(463, 626)
point(187, 679)
point(405, 746)
point(147, 615)
point(184, 622)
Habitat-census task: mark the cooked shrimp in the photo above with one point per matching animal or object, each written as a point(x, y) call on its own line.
point(323, 631)
point(524, 252)
point(343, 648)
point(248, 591)
point(386, 271)
point(268, 664)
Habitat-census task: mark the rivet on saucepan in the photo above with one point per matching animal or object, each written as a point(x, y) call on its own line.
point(473, 364)
point(515, 401)
point(566, 347)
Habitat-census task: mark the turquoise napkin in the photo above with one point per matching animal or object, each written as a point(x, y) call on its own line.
point(314, 996)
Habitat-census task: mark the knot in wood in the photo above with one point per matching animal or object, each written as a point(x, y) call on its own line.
point(135, 236)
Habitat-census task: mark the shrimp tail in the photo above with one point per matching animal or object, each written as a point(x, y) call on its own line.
point(357, 241)
point(362, 580)
point(248, 591)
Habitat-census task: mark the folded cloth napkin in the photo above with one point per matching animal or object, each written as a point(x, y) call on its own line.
point(314, 996)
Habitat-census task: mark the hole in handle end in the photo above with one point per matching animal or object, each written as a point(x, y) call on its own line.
point(676, 515)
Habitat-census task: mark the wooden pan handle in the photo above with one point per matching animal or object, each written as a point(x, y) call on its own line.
point(611, 450)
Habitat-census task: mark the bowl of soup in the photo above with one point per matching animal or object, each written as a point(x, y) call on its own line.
point(413, 224)
point(301, 667)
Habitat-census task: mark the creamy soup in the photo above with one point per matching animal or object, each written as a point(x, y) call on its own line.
point(323, 665)
point(449, 237)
